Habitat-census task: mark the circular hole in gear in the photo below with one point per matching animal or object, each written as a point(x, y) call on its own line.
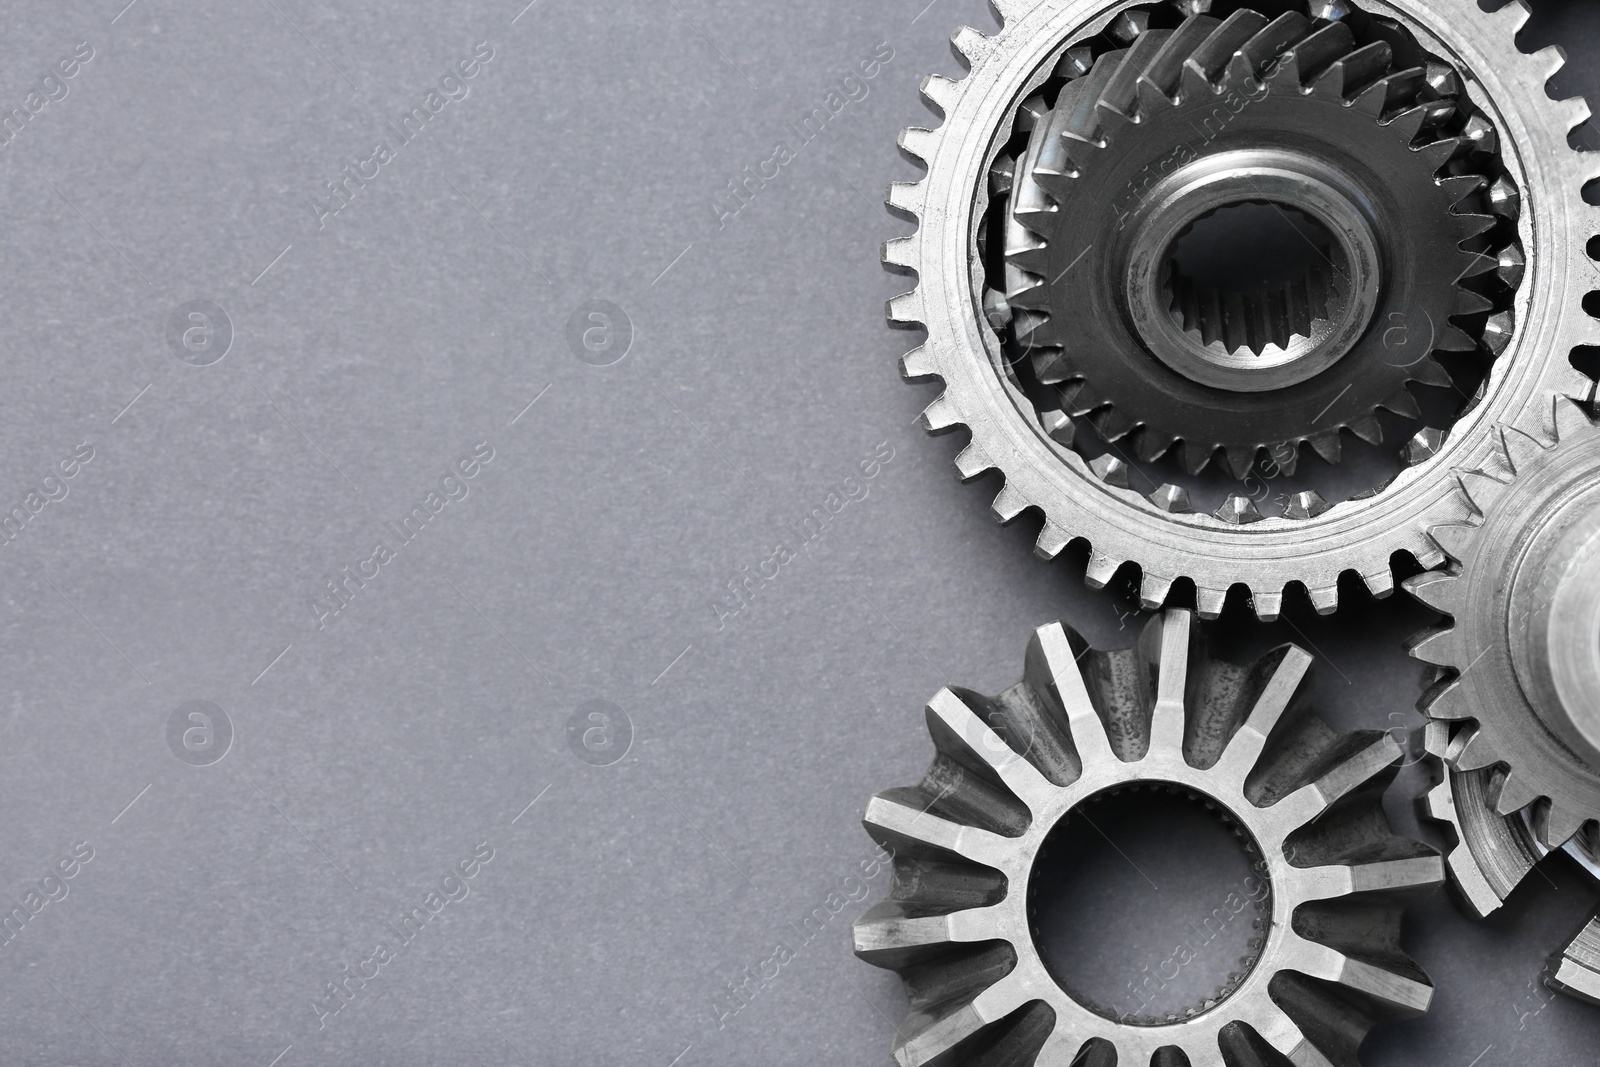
point(1252, 273)
point(1147, 905)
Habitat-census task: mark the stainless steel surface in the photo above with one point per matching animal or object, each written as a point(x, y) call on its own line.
point(1009, 769)
point(1312, 543)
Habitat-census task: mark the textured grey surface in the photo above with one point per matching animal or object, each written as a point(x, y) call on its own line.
point(375, 749)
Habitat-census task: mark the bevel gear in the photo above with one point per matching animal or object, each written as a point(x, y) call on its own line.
point(1313, 543)
point(1009, 769)
point(1182, 123)
point(1521, 657)
point(1492, 853)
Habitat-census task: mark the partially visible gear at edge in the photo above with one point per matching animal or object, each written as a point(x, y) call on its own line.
point(1520, 656)
point(1314, 543)
point(1009, 769)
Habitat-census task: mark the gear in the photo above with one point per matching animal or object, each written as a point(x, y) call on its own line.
point(1492, 853)
point(1314, 543)
point(1181, 125)
point(1010, 769)
point(1522, 655)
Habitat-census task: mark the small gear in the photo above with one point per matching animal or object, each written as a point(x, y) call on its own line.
point(1492, 853)
point(1521, 656)
point(1376, 162)
point(1010, 769)
point(1313, 543)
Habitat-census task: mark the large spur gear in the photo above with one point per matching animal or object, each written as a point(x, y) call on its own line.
point(1491, 854)
point(1521, 656)
point(1374, 158)
point(1312, 544)
point(1081, 725)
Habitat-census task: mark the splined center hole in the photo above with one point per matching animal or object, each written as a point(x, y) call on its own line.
point(1253, 274)
point(1148, 906)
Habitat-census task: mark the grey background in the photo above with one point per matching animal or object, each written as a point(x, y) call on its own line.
point(372, 755)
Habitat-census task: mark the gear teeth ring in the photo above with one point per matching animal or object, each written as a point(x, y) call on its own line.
point(1094, 503)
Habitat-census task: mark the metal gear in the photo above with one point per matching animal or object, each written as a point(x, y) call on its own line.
point(1492, 853)
point(1521, 658)
point(1009, 769)
point(1313, 544)
point(1182, 123)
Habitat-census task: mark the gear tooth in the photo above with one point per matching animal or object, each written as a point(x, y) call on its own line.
point(1575, 111)
point(1008, 504)
point(1478, 264)
point(1428, 371)
point(1367, 428)
point(1082, 398)
point(900, 252)
point(1051, 542)
point(1119, 96)
point(1101, 570)
point(1402, 403)
point(1002, 175)
point(1238, 510)
point(1476, 754)
point(1210, 602)
point(1150, 445)
point(1111, 470)
point(919, 143)
point(1033, 112)
point(1448, 338)
point(1192, 7)
point(1470, 224)
point(1111, 423)
point(1128, 25)
point(971, 462)
point(1153, 591)
point(1471, 303)
point(1011, 10)
point(1171, 498)
point(1456, 188)
point(1049, 366)
point(1505, 200)
point(1482, 135)
point(905, 196)
point(1381, 97)
point(1075, 62)
point(1268, 605)
point(1510, 793)
point(1552, 57)
point(1325, 45)
point(1436, 646)
point(1158, 82)
point(1438, 590)
point(905, 310)
point(941, 92)
point(1240, 459)
point(1331, 10)
point(1440, 152)
point(1058, 425)
point(1455, 539)
point(996, 308)
point(1408, 124)
point(1268, 44)
point(1379, 583)
point(1307, 504)
point(941, 415)
point(1554, 824)
point(1482, 489)
point(1512, 17)
point(1512, 264)
point(1498, 330)
point(1325, 599)
point(1442, 78)
point(1519, 449)
point(1423, 446)
point(1326, 444)
point(1209, 59)
point(917, 365)
point(1570, 420)
point(1350, 74)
